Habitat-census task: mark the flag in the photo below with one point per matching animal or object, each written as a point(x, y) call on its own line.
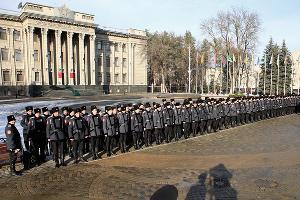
point(246, 59)
point(278, 60)
point(228, 58)
point(285, 60)
point(271, 60)
point(20, 5)
point(202, 59)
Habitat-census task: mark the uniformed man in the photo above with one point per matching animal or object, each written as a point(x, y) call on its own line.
point(136, 126)
point(56, 136)
point(24, 124)
point(37, 135)
point(95, 131)
point(77, 133)
point(109, 128)
point(123, 117)
point(186, 119)
point(13, 143)
point(177, 121)
point(65, 115)
point(86, 141)
point(168, 114)
point(158, 123)
point(195, 118)
point(46, 112)
point(148, 124)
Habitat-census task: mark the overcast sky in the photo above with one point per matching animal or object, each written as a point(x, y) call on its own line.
point(280, 18)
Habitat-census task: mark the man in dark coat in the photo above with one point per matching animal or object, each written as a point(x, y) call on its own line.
point(109, 128)
point(177, 121)
point(24, 124)
point(158, 123)
point(13, 143)
point(77, 133)
point(123, 123)
point(168, 114)
point(56, 136)
point(148, 124)
point(95, 131)
point(37, 135)
point(136, 126)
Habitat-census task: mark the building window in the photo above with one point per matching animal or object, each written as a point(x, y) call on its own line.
point(124, 62)
point(35, 37)
point(117, 62)
point(116, 47)
point(4, 54)
point(107, 61)
point(3, 34)
point(107, 47)
point(124, 48)
point(124, 78)
point(100, 77)
point(36, 55)
point(37, 76)
point(99, 61)
point(6, 76)
point(108, 77)
point(117, 79)
point(18, 55)
point(17, 35)
point(20, 76)
point(100, 45)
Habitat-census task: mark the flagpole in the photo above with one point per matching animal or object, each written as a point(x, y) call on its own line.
point(227, 76)
point(197, 73)
point(278, 63)
point(265, 74)
point(221, 73)
point(233, 80)
point(271, 75)
point(189, 69)
point(284, 92)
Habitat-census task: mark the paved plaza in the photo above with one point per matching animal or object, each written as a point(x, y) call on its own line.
point(254, 161)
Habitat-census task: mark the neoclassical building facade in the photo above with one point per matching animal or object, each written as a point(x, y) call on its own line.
point(54, 46)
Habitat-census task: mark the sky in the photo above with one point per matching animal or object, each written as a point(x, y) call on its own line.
point(280, 18)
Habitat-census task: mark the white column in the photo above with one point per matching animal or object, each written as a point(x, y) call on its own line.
point(45, 56)
point(58, 57)
point(11, 55)
point(30, 55)
point(70, 58)
point(92, 60)
point(81, 60)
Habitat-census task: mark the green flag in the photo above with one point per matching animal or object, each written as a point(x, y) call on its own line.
point(229, 58)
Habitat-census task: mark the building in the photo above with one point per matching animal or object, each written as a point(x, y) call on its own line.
point(43, 46)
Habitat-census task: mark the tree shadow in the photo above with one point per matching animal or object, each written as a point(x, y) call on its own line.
point(167, 192)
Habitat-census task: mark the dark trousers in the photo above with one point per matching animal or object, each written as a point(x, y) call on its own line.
point(195, 128)
point(168, 133)
point(136, 139)
point(122, 141)
point(39, 150)
point(221, 123)
point(209, 125)
point(12, 160)
point(233, 121)
point(95, 140)
point(78, 149)
point(147, 137)
point(86, 145)
point(58, 150)
point(187, 129)
point(26, 141)
point(158, 133)
point(202, 124)
point(109, 145)
point(177, 131)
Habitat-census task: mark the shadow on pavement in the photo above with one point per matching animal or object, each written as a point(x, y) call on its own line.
point(212, 185)
point(167, 192)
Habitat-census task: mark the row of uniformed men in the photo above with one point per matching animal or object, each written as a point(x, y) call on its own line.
point(139, 124)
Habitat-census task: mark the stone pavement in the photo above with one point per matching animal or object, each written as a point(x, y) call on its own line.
point(254, 161)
